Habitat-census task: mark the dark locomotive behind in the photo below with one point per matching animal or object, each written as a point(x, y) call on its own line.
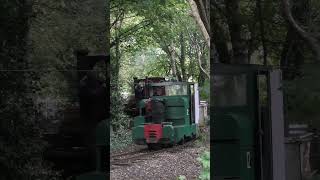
point(140, 92)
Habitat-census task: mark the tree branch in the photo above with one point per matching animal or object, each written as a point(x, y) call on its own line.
point(134, 28)
point(311, 40)
point(199, 54)
point(202, 69)
point(117, 18)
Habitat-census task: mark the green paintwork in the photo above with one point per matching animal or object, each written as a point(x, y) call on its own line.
point(233, 144)
point(177, 110)
point(138, 132)
point(234, 132)
point(101, 140)
point(168, 132)
point(138, 120)
point(184, 131)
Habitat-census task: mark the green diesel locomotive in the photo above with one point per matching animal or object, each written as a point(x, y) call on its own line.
point(168, 113)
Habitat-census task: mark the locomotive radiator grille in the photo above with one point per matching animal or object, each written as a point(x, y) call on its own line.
point(152, 133)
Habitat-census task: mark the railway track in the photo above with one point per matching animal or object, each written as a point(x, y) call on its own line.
point(128, 158)
point(116, 156)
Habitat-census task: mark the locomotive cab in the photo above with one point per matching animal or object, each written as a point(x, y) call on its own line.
point(168, 115)
point(248, 124)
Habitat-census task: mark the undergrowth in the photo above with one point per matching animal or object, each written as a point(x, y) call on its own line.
point(120, 139)
point(203, 136)
point(120, 134)
point(204, 160)
point(205, 164)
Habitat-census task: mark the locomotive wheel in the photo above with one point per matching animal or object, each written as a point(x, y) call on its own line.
point(153, 146)
point(182, 141)
point(169, 145)
point(193, 136)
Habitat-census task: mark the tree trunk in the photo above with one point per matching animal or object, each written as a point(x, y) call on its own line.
point(117, 60)
point(202, 75)
point(172, 56)
point(196, 46)
point(179, 76)
point(262, 33)
point(292, 53)
point(182, 57)
point(239, 46)
point(220, 42)
point(204, 12)
point(192, 64)
point(196, 15)
point(199, 58)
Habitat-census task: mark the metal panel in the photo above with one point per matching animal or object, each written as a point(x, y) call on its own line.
point(277, 126)
point(293, 163)
point(197, 102)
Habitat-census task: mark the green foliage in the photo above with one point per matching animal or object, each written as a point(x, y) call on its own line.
point(120, 136)
point(181, 177)
point(118, 118)
point(303, 97)
point(120, 139)
point(205, 163)
point(204, 91)
point(145, 31)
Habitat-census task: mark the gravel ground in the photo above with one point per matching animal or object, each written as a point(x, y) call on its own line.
point(131, 147)
point(163, 165)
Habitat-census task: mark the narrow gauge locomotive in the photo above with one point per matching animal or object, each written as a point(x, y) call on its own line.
point(168, 113)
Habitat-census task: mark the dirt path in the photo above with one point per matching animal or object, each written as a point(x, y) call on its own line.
point(168, 164)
